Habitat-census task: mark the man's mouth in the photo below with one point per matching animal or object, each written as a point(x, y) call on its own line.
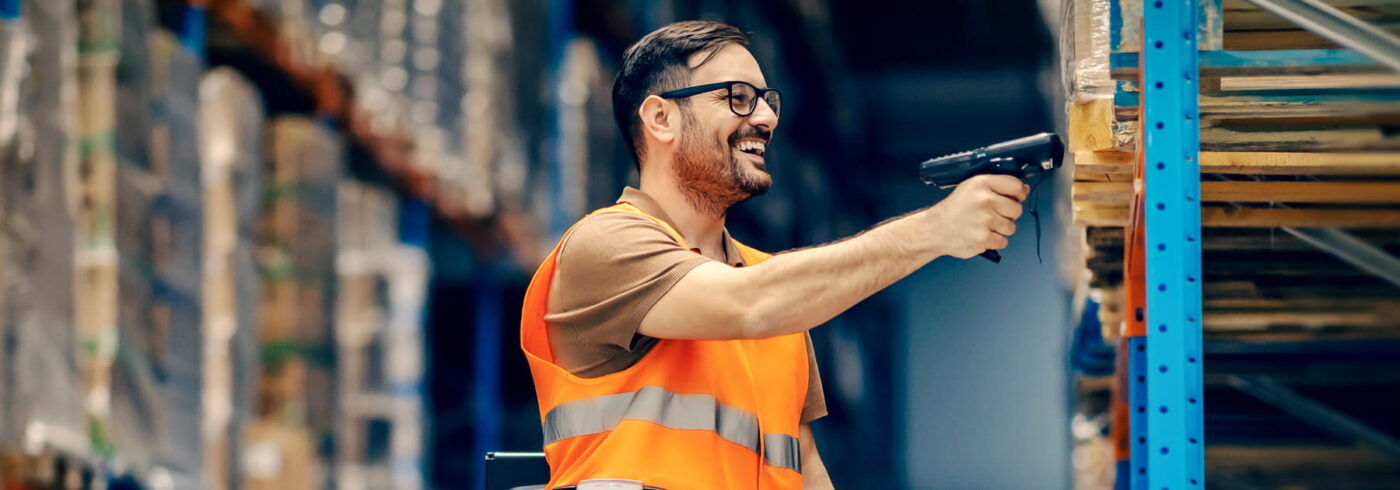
point(752, 147)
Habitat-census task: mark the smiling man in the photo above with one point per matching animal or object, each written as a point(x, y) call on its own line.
point(666, 352)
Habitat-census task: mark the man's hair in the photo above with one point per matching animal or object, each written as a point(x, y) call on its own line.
point(659, 63)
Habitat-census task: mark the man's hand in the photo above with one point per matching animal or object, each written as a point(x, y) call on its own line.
point(979, 215)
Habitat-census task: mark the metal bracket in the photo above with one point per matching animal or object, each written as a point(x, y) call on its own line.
point(1328, 22)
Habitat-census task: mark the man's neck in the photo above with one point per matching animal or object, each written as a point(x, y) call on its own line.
point(700, 230)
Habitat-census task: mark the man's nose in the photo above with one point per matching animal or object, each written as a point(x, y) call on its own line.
point(763, 116)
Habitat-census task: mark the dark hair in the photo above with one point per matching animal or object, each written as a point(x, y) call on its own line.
point(659, 63)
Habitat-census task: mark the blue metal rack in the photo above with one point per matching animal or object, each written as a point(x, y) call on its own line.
point(1170, 446)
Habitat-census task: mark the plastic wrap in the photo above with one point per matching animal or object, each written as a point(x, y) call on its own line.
point(40, 390)
point(231, 152)
point(157, 392)
point(1086, 42)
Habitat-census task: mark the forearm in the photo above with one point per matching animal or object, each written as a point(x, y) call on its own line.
point(798, 290)
point(814, 475)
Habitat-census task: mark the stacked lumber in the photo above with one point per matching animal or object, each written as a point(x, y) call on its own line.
point(1295, 133)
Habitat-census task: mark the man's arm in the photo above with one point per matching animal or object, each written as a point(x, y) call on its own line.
point(813, 471)
point(796, 291)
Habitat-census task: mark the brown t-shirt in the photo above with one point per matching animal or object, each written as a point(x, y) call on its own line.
point(611, 270)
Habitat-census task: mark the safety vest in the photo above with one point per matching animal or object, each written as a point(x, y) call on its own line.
point(691, 414)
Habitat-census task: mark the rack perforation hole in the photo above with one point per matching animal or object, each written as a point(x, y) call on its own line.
point(1192, 400)
point(1193, 440)
point(1162, 328)
point(1161, 165)
point(1161, 246)
point(1160, 125)
point(1160, 85)
point(1165, 450)
point(1163, 409)
point(1161, 287)
point(1162, 368)
point(1157, 4)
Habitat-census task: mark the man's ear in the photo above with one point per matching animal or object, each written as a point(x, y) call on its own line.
point(659, 119)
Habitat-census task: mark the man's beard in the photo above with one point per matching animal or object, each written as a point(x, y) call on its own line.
point(711, 176)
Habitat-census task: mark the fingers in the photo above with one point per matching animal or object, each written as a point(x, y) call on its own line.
point(1005, 185)
point(1007, 208)
point(997, 242)
point(1003, 227)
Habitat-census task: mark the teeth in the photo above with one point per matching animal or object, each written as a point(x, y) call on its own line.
point(751, 145)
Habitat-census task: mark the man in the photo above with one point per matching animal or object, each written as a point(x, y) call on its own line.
point(666, 352)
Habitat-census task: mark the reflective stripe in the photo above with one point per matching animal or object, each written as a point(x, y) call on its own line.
point(671, 410)
point(781, 450)
point(656, 405)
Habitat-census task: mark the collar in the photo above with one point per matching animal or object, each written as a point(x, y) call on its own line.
point(644, 202)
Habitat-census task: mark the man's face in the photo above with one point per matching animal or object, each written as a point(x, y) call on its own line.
point(708, 160)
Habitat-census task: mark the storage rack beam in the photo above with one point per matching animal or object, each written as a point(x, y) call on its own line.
point(1336, 25)
point(1271, 391)
point(1174, 438)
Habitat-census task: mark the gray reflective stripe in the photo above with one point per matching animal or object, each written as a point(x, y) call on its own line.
point(781, 450)
point(672, 410)
point(656, 405)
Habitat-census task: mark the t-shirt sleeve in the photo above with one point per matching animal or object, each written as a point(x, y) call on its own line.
point(612, 269)
point(815, 406)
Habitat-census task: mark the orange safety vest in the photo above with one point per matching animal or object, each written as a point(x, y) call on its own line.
point(697, 414)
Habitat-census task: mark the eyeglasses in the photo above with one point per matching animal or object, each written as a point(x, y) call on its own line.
point(743, 96)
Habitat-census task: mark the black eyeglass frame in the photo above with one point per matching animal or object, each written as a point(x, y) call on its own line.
point(759, 94)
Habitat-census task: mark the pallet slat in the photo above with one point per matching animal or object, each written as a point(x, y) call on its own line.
point(1257, 192)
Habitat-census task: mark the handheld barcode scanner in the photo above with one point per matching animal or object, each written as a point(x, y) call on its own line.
point(1023, 158)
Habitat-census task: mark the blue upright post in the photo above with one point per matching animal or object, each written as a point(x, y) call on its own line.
point(9, 9)
point(486, 390)
point(1137, 403)
point(561, 18)
point(1172, 189)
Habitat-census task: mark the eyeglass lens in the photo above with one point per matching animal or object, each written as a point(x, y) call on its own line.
point(743, 102)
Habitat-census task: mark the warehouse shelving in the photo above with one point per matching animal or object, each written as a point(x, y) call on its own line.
point(1293, 223)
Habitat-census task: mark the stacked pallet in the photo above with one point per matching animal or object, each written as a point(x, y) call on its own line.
point(365, 262)
point(297, 258)
point(1297, 142)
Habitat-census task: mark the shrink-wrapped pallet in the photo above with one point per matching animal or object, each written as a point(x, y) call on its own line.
point(40, 392)
point(157, 379)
